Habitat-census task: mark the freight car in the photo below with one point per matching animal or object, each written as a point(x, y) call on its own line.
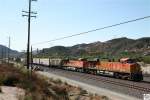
point(48, 62)
point(125, 68)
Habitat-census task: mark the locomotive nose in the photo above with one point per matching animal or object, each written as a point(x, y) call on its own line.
point(136, 72)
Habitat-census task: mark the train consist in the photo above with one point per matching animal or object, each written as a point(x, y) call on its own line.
point(125, 68)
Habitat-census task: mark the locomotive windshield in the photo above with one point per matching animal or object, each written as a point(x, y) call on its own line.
point(127, 60)
point(131, 61)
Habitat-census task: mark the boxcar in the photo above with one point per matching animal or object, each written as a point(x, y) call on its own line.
point(44, 61)
point(55, 62)
point(36, 60)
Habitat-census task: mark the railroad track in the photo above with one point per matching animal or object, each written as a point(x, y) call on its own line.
point(132, 85)
point(111, 81)
point(123, 84)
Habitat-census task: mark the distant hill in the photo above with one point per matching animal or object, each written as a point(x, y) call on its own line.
point(4, 52)
point(115, 47)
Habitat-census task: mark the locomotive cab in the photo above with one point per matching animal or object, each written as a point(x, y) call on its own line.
point(135, 69)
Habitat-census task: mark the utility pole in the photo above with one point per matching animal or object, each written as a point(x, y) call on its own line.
point(2, 54)
point(5, 54)
point(31, 55)
point(29, 15)
point(37, 53)
point(31, 60)
point(9, 50)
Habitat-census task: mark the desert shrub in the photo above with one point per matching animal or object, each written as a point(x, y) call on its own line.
point(10, 81)
point(28, 85)
point(105, 98)
point(28, 97)
point(146, 59)
point(57, 81)
point(1, 80)
point(59, 90)
point(83, 92)
point(18, 60)
point(66, 83)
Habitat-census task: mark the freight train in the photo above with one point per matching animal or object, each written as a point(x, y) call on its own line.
point(125, 68)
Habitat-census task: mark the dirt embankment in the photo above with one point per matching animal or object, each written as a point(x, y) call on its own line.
point(42, 88)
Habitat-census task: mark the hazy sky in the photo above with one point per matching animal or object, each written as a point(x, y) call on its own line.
point(58, 18)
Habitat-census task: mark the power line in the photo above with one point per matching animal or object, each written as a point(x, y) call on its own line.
point(125, 22)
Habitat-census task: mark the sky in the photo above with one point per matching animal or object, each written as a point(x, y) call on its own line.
point(59, 18)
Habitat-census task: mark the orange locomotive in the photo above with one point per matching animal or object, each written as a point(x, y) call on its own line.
point(77, 65)
point(126, 68)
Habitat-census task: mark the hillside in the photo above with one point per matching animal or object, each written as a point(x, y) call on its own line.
point(4, 52)
point(115, 47)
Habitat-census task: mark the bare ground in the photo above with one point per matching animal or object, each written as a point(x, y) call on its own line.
point(11, 93)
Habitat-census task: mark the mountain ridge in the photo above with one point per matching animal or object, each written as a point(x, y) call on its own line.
point(4, 52)
point(114, 47)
